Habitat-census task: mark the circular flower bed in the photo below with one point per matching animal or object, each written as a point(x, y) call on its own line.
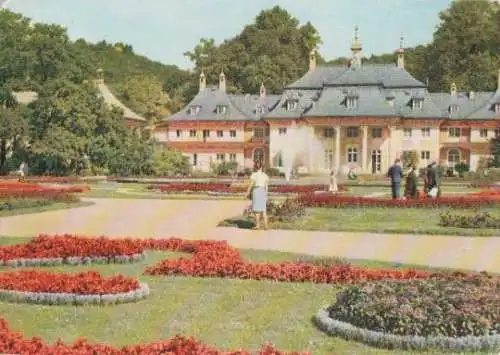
point(82, 288)
point(453, 312)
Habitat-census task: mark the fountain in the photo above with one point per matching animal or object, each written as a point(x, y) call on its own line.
point(300, 149)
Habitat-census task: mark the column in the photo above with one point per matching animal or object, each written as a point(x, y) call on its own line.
point(310, 140)
point(364, 150)
point(337, 149)
point(390, 155)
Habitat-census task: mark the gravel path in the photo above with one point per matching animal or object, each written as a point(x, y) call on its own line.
point(198, 219)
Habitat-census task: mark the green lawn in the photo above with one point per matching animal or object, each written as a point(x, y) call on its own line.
point(226, 313)
point(377, 220)
point(50, 207)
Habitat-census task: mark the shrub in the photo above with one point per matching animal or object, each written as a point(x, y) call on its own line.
point(479, 220)
point(462, 168)
point(225, 168)
point(449, 306)
point(285, 211)
point(274, 172)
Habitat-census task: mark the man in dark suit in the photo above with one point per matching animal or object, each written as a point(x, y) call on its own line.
point(395, 173)
point(433, 180)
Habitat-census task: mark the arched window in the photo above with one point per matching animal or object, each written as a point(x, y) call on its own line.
point(352, 155)
point(258, 155)
point(453, 157)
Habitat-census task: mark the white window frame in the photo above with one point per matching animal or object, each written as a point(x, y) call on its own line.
point(282, 131)
point(352, 154)
point(407, 132)
point(206, 133)
point(259, 132)
point(453, 109)
point(454, 132)
point(452, 164)
point(418, 104)
point(232, 157)
point(378, 162)
point(220, 133)
point(232, 133)
point(291, 105)
point(221, 109)
point(351, 102)
point(425, 155)
point(426, 132)
point(329, 132)
point(192, 133)
point(352, 132)
point(497, 132)
point(220, 157)
point(195, 159)
point(379, 134)
point(483, 132)
point(178, 133)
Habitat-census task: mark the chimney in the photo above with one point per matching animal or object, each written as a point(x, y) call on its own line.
point(262, 90)
point(401, 53)
point(453, 89)
point(222, 81)
point(203, 82)
point(312, 60)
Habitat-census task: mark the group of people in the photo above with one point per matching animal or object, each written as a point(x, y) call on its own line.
point(431, 180)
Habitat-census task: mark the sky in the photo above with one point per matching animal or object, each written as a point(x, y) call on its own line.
point(164, 29)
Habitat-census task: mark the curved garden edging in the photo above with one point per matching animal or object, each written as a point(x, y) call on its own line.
point(50, 298)
point(348, 331)
point(75, 260)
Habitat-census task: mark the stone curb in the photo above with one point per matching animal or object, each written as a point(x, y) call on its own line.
point(74, 260)
point(48, 298)
point(350, 332)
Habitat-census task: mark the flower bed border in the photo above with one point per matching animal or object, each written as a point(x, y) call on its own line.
point(74, 260)
point(52, 298)
point(349, 332)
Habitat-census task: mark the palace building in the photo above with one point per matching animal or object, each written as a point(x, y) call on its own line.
point(361, 116)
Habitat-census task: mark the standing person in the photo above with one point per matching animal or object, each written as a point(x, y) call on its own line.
point(433, 180)
point(395, 173)
point(411, 183)
point(258, 188)
point(22, 170)
point(333, 181)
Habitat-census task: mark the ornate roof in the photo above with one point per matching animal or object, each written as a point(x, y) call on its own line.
point(214, 104)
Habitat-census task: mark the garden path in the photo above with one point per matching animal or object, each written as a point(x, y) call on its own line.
point(197, 219)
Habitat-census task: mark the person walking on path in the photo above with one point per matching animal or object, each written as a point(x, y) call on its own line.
point(396, 174)
point(411, 183)
point(257, 191)
point(433, 180)
point(23, 171)
point(333, 181)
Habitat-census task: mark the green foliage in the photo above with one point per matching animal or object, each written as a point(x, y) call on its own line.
point(410, 158)
point(462, 168)
point(480, 220)
point(224, 168)
point(167, 162)
point(449, 306)
point(285, 211)
point(274, 172)
point(495, 152)
point(273, 50)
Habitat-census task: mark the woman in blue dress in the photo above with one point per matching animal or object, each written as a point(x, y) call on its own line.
point(257, 190)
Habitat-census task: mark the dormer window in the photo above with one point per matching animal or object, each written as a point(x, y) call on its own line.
point(260, 109)
point(417, 103)
point(291, 105)
point(351, 101)
point(453, 109)
point(194, 110)
point(497, 108)
point(390, 101)
point(221, 109)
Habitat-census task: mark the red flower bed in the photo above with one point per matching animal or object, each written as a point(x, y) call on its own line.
point(67, 246)
point(227, 188)
point(15, 342)
point(84, 283)
point(29, 190)
point(218, 259)
point(339, 201)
